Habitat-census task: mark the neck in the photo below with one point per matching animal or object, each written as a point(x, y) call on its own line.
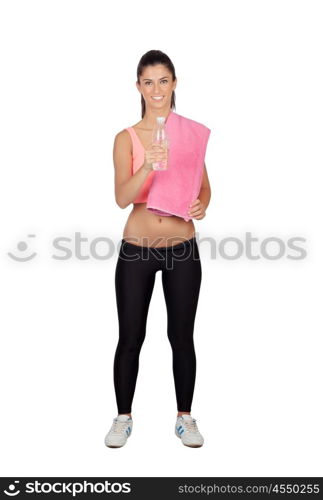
point(149, 119)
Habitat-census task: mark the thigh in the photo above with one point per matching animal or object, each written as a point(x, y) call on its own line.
point(181, 284)
point(134, 283)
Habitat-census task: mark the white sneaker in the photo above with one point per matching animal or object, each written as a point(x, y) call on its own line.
point(187, 430)
point(119, 432)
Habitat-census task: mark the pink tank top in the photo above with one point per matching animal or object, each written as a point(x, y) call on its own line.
point(138, 158)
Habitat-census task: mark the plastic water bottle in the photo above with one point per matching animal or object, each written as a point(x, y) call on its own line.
point(159, 138)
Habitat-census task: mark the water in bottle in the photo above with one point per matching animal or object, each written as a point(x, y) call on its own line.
point(159, 138)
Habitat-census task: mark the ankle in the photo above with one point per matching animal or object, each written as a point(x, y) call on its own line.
point(129, 414)
point(180, 413)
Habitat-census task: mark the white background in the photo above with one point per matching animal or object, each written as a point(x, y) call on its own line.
point(251, 72)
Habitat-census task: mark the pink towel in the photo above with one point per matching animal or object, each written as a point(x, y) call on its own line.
point(174, 189)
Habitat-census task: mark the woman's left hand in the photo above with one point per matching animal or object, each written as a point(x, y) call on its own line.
point(197, 209)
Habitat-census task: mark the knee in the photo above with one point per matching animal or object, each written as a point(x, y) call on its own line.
point(130, 346)
point(181, 341)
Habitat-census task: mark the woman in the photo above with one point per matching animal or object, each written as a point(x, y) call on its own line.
point(149, 243)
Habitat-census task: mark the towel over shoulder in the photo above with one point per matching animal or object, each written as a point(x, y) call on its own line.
point(174, 189)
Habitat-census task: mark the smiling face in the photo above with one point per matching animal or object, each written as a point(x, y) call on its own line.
point(156, 86)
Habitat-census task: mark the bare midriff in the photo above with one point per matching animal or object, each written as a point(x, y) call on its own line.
point(144, 228)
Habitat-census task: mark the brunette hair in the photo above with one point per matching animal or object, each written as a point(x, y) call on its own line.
point(151, 58)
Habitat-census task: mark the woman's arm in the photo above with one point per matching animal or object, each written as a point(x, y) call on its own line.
point(126, 185)
point(205, 191)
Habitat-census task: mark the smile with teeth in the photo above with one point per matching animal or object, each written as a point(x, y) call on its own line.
point(157, 98)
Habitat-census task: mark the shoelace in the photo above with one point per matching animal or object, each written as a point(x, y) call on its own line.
point(119, 426)
point(190, 425)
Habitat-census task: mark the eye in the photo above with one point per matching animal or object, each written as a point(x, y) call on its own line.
point(162, 81)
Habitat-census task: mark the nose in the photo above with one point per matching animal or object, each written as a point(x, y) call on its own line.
point(156, 88)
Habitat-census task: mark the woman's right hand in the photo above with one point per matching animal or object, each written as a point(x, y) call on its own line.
point(153, 154)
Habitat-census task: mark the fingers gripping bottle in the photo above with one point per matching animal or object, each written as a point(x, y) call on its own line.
point(159, 138)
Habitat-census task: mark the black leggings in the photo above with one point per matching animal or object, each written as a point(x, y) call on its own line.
point(134, 282)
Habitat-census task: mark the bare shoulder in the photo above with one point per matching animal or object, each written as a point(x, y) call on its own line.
point(122, 140)
point(122, 136)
